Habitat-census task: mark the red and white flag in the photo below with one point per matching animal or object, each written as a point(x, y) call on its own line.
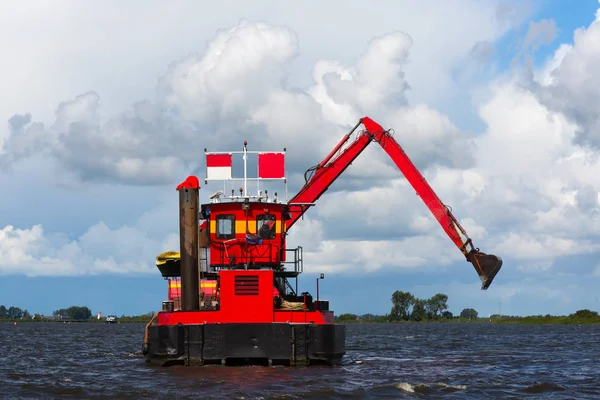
point(218, 166)
point(271, 165)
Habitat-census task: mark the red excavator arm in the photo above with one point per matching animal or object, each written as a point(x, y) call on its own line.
point(328, 170)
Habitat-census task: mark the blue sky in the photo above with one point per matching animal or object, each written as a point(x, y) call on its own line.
point(114, 111)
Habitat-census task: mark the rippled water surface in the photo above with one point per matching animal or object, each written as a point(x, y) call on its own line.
point(438, 361)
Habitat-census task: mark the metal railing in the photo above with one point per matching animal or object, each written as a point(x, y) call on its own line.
point(297, 262)
point(267, 255)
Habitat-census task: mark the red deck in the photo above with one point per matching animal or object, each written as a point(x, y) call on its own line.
point(245, 296)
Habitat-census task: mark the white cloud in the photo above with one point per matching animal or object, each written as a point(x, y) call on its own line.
point(538, 34)
point(536, 163)
point(238, 71)
point(357, 256)
point(239, 85)
point(532, 193)
point(122, 149)
point(568, 83)
point(544, 246)
point(526, 187)
point(100, 250)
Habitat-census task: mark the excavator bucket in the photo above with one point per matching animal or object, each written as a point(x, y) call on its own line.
point(486, 265)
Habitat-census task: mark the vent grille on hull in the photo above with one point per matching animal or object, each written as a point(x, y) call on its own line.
point(246, 285)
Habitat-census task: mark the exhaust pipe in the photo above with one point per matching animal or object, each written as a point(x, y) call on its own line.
point(486, 265)
point(188, 242)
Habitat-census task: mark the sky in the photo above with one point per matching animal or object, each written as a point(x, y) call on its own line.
point(107, 108)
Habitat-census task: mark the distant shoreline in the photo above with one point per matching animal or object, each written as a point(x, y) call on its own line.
point(120, 320)
point(530, 320)
point(503, 321)
point(580, 317)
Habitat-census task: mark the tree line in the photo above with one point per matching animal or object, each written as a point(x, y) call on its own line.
point(408, 307)
point(74, 313)
point(13, 313)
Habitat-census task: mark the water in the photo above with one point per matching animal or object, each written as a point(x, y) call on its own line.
point(384, 361)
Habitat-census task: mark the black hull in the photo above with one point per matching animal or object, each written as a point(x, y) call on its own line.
point(246, 344)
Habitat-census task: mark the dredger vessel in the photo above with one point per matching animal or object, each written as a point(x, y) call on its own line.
point(233, 294)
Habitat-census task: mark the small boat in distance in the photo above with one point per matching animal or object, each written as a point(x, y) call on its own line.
point(112, 319)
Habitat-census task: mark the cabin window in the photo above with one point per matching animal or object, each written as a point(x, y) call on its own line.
point(265, 226)
point(225, 226)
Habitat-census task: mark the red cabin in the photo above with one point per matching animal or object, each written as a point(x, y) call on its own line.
point(249, 233)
